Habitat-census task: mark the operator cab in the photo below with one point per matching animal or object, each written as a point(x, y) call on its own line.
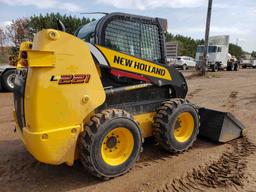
point(211, 49)
point(87, 32)
point(138, 36)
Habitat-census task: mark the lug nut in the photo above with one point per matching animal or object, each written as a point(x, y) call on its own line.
point(85, 98)
point(44, 136)
point(53, 35)
point(73, 130)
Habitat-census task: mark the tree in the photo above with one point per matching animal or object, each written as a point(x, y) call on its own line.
point(18, 31)
point(235, 50)
point(169, 37)
point(50, 20)
point(24, 29)
point(253, 54)
point(2, 40)
point(187, 45)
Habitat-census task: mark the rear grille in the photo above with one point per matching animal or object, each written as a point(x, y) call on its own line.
point(19, 91)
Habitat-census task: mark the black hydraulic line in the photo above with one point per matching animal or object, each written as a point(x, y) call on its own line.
point(113, 91)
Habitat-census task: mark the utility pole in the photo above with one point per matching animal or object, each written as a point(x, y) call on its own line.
point(206, 39)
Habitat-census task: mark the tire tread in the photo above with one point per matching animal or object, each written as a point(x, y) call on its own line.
point(87, 137)
point(160, 125)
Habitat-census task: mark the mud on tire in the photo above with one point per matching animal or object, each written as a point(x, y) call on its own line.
point(109, 136)
point(167, 123)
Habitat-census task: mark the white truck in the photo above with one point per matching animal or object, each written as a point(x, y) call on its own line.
point(248, 63)
point(218, 56)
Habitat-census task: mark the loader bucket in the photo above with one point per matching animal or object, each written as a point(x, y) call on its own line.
point(219, 126)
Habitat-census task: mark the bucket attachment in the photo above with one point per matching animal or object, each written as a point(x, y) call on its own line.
point(219, 126)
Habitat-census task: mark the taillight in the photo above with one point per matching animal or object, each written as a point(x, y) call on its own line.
point(24, 62)
point(23, 58)
point(24, 55)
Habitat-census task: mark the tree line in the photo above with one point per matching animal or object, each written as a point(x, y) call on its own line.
point(186, 45)
point(23, 29)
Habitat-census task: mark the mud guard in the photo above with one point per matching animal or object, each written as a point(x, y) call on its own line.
point(219, 126)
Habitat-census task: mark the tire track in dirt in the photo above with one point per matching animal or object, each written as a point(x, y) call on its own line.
point(196, 91)
point(250, 100)
point(152, 155)
point(150, 160)
point(231, 101)
point(228, 171)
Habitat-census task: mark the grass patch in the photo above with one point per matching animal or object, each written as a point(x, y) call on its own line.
point(213, 75)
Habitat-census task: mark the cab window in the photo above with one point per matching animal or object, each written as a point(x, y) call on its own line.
point(87, 32)
point(136, 38)
point(212, 49)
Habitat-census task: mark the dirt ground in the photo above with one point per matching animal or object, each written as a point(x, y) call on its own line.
point(205, 167)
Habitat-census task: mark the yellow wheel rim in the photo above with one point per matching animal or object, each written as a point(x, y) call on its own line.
point(117, 146)
point(184, 127)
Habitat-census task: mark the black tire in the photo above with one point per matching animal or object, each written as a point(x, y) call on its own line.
point(8, 80)
point(236, 67)
point(184, 67)
point(166, 121)
point(92, 139)
point(215, 67)
point(232, 67)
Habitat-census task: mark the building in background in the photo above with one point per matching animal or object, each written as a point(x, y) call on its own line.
point(171, 49)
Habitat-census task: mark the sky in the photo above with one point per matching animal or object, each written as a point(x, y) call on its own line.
point(236, 18)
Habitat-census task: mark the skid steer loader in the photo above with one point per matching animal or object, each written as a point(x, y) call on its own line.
point(95, 96)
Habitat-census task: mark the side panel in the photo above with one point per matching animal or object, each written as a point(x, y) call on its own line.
point(62, 89)
point(158, 74)
point(129, 63)
point(62, 104)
